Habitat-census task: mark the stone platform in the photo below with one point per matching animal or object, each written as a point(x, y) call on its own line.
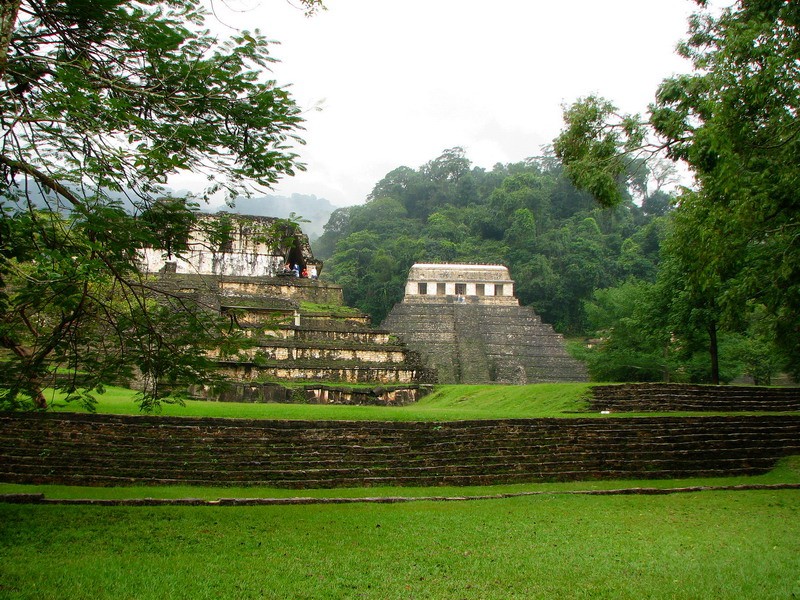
point(301, 334)
point(101, 450)
point(484, 343)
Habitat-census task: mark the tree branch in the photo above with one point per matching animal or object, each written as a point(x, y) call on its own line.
point(44, 179)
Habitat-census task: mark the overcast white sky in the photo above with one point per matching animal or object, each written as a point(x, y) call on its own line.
point(398, 81)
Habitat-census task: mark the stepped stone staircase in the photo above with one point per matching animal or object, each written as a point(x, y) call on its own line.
point(326, 344)
point(660, 397)
point(307, 346)
point(81, 449)
point(480, 343)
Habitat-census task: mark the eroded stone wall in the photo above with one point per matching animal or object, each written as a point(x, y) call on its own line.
point(666, 397)
point(480, 343)
point(255, 247)
point(81, 449)
point(321, 371)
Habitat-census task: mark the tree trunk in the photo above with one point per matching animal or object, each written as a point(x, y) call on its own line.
point(714, 352)
point(32, 386)
point(37, 396)
point(8, 18)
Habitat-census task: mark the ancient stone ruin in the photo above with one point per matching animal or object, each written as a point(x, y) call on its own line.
point(466, 323)
point(302, 332)
point(81, 449)
point(462, 323)
point(247, 246)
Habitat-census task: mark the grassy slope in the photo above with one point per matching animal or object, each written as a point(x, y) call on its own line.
point(455, 402)
point(447, 403)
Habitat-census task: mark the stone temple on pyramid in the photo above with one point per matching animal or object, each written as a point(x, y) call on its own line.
point(466, 323)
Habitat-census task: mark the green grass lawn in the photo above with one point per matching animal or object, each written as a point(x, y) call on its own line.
point(449, 402)
point(446, 403)
point(704, 545)
point(715, 544)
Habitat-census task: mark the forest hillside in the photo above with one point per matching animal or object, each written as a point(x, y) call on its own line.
point(558, 244)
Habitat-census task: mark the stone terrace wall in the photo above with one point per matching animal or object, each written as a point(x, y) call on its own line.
point(122, 450)
point(318, 371)
point(659, 397)
point(216, 290)
point(379, 395)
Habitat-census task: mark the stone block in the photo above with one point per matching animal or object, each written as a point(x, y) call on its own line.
point(482, 343)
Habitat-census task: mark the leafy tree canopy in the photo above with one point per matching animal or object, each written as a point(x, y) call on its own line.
point(107, 98)
point(733, 121)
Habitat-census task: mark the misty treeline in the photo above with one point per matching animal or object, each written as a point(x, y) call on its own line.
point(585, 269)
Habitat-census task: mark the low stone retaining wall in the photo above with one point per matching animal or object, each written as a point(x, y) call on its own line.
point(123, 450)
point(660, 397)
point(380, 395)
point(319, 371)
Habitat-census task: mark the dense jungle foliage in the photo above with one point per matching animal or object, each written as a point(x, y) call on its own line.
point(558, 243)
point(730, 272)
point(601, 275)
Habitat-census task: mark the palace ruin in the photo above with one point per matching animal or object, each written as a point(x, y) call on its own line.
point(300, 329)
point(248, 246)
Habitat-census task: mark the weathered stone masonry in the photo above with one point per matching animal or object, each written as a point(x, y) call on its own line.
point(466, 323)
point(252, 250)
point(301, 331)
point(79, 449)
